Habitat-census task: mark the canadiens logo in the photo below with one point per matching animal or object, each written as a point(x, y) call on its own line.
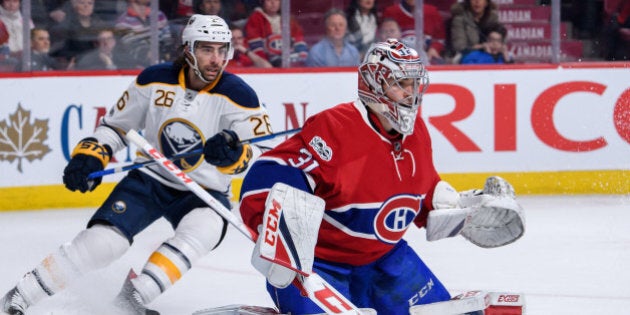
point(321, 148)
point(274, 44)
point(394, 217)
point(179, 136)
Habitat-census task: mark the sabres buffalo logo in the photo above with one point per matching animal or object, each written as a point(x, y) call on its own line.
point(394, 217)
point(179, 137)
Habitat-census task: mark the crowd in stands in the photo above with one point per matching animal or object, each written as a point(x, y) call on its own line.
point(116, 34)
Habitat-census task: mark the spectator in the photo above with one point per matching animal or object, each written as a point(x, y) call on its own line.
point(362, 23)
point(7, 62)
point(11, 16)
point(334, 50)
point(494, 49)
point(617, 33)
point(434, 32)
point(41, 10)
point(40, 47)
point(4, 35)
point(469, 18)
point(135, 28)
point(390, 29)
point(211, 7)
point(263, 33)
point(177, 9)
point(77, 33)
point(243, 56)
point(105, 56)
point(240, 10)
point(110, 10)
point(47, 13)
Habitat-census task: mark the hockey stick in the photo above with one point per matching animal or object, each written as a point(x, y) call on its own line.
point(317, 289)
point(134, 166)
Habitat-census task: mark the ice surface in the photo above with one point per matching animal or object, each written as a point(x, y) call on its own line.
point(572, 260)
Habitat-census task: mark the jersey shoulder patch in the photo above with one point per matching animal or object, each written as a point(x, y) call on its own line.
point(166, 73)
point(237, 90)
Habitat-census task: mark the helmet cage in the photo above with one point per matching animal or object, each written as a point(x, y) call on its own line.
point(390, 65)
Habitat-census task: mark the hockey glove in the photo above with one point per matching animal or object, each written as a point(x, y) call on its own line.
point(87, 157)
point(225, 151)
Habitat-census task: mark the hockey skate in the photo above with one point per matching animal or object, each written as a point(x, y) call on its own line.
point(13, 303)
point(129, 301)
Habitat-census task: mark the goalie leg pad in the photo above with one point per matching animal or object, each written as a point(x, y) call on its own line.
point(488, 303)
point(237, 309)
point(288, 234)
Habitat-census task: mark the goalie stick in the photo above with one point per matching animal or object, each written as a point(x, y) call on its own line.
point(317, 289)
point(134, 166)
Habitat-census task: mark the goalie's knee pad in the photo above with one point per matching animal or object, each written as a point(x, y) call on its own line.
point(93, 248)
point(197, 234)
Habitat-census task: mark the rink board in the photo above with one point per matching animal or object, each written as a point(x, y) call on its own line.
point(548, 129)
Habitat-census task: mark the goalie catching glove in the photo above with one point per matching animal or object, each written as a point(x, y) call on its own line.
point(487, 218)
point(87, 157)
point(225, 151)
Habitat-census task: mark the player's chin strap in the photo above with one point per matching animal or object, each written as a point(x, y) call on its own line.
point(487, 218)
point(317, 289)
point(194, 66)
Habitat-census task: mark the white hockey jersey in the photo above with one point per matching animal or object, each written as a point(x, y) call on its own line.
point(177, 120)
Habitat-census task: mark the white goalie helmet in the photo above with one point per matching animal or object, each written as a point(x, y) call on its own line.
point(384, 66)
point(206, 28)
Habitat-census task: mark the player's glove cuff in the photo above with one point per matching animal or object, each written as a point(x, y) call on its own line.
point(240, 165)
point(225, 151)
point(91, 147)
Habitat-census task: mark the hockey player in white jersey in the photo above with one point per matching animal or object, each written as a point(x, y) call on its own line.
point(190, 104)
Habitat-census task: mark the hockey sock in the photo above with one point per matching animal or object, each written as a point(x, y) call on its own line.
point(198, 233)
point(91, 249)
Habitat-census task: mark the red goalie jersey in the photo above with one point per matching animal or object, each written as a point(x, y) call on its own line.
point(375, 185)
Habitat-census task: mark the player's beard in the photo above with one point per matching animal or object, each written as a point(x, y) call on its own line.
point(211, 72)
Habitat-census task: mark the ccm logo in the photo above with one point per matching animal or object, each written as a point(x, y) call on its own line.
point(271, 226)
point(170, 166)
point(508, 298)
point(332, 301)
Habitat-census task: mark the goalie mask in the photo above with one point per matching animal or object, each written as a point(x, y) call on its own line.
point(206, 28)
point(392, 68)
